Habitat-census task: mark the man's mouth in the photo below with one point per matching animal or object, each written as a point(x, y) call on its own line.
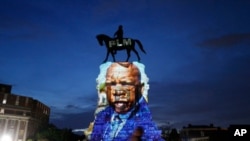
point(120, 104)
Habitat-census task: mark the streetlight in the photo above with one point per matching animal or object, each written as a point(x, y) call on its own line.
point(6, 137)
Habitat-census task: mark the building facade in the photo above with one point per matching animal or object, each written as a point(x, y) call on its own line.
point(20, 116)
point(203, 133)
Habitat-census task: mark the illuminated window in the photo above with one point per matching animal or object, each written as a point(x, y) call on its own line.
point(26, 101)
point(12, 125)
point(17, 100)
point(2, 111)
point(4, 101)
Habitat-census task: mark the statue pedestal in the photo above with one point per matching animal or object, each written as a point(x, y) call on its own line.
point(138, 115)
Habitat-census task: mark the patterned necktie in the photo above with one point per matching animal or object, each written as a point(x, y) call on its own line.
point(115, 126)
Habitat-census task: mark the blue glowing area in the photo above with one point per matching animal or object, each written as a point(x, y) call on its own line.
point(139, 116)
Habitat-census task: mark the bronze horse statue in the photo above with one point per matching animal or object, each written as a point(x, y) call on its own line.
point(114, 44)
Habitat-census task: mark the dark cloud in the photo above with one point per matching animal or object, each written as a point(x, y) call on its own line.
point(71, 107)
point(228, 40)
point(215, 96)
point(72, 116)
point(74, 121)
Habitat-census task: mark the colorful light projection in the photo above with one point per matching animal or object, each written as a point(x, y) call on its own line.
point(113, 121)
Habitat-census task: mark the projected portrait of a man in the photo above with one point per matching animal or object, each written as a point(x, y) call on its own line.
point(127, 108)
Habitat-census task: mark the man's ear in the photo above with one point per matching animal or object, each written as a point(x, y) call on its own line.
point(145, 96)
point(142, 88)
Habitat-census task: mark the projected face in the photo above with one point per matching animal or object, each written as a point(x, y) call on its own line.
point(122, 81)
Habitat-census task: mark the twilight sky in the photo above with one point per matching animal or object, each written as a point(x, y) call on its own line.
point(198, 56)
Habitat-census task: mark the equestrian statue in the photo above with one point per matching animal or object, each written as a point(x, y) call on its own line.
point(119, 43)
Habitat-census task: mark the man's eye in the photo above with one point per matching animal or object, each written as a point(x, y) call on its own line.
point(122, 83)
point(126, 83)
point(113, 83)
point(110, 83)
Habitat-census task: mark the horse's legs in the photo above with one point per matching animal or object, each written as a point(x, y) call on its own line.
point(113, 54)
point(137, 54)
point(128, 54)
point(107, 55)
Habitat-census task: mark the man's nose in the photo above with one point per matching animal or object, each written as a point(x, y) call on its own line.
point(118, 90)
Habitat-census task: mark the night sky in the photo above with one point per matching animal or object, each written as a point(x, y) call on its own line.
point(198, 56)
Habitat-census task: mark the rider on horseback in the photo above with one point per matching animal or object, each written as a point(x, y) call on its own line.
point(119, 35)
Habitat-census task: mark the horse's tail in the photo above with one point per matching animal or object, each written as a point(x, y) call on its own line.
point(140, 45)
